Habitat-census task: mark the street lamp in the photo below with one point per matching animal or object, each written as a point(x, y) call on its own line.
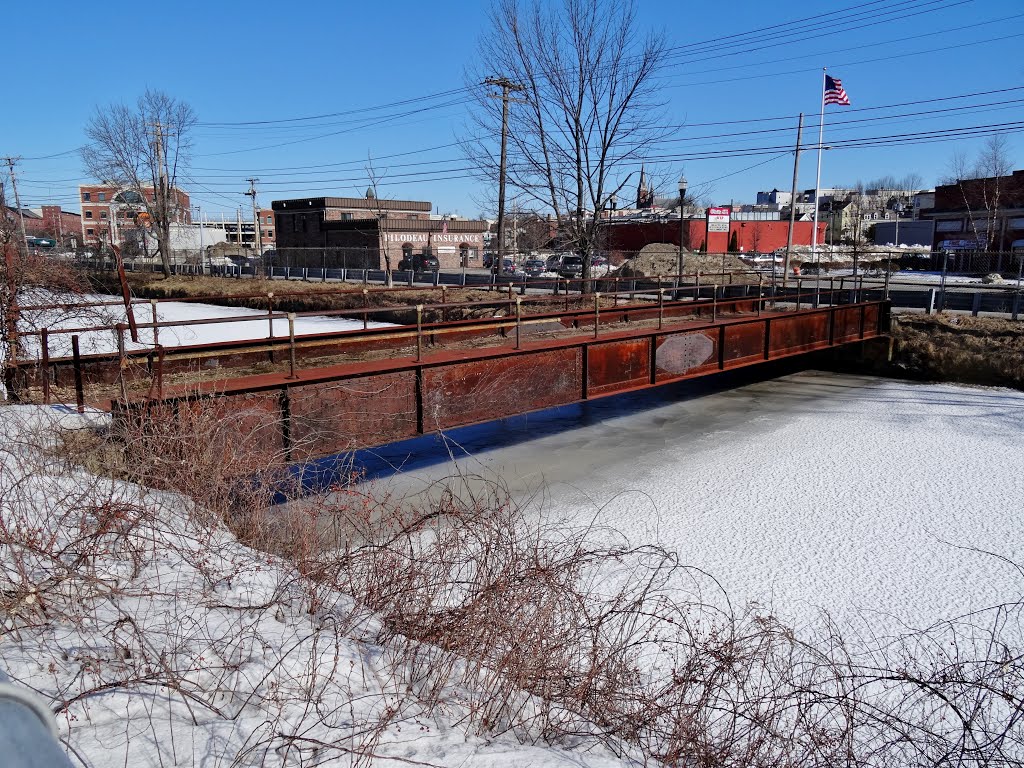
point(898, 209)
point(682, 228)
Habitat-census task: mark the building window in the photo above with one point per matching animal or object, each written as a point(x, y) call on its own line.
point(270, 233)
point(103, 196)
point(270, 219)
point(87, 196)
point(103, 214)
point(88, 214)
point(89, 232)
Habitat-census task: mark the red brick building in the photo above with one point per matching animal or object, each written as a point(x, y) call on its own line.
point(357, 233)
point(756, 236)
point(108, 212)
point(51, 222)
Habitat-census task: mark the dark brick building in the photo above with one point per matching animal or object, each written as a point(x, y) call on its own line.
point(963, 218)
point(357, 232)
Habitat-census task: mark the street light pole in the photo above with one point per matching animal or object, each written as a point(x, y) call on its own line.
point(202, 258)
point(682, 229)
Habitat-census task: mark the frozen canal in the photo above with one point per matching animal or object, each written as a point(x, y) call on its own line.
point(240, 323)
point(870, 498)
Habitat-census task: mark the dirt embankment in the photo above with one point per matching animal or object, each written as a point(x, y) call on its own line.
point(967, 350)
point(295, 296)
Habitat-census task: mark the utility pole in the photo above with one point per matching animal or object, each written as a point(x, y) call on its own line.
point(256, 231)
point(792, 203)
point(163, 217)
point(17, 200)
point(507, 86)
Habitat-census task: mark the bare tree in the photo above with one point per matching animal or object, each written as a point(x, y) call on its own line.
point(993, 164)
point(981, 185)
point(143, 149)
point(372, 193)
point(587, 112)
point(911, 183)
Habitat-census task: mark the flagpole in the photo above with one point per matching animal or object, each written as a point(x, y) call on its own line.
point(817, 180)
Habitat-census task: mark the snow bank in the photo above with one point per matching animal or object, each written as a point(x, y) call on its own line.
point(160, 640)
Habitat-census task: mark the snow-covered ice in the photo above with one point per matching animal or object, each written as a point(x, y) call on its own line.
point(872, 499)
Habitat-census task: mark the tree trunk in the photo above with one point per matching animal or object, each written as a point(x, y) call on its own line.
point(163, 241)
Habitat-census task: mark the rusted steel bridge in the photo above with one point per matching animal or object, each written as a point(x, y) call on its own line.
point(328, 393)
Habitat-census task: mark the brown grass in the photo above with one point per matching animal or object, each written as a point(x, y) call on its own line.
point(968, 350)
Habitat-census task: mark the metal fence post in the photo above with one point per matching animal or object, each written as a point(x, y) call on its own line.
point(366, 308)
point(661, 307)
point(76, 357)
point(156, 328)
point(419, 332)
point(44, 364)
point(942, 283)
point(291, 345)
point(519, 320)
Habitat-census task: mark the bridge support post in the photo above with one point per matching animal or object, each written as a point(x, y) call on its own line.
point(1016, 305)
point(976, 304)
point(291, 345)
point(597, 312)
point(519, 321)
point(419, 332)
point(76, 356)
point(44, 363)
point(270, 323)
point(930, 302)
point(156, 326)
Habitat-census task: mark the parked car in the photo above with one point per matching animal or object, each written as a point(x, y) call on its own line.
point(420, 262)
point(534, 267)
point(553, 262)
point(571, 266)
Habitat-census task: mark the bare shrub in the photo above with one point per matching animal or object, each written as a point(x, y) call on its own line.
point(465, 608)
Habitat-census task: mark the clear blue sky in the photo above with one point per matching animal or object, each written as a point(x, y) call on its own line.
point(259, 61)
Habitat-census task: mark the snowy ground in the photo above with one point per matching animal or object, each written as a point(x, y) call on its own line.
point(157, 639)
point(868, 498)
point(251, 324)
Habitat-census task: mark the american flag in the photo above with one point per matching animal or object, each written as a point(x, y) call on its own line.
point(835, 93)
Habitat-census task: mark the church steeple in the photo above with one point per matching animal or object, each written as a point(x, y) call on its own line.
point(644, 195)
